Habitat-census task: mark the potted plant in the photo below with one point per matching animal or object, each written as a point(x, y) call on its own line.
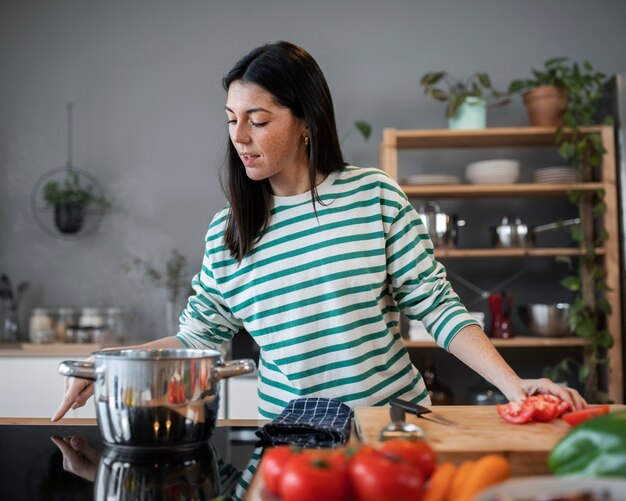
point(548, 94)
point(467, 99)
point(70, 199)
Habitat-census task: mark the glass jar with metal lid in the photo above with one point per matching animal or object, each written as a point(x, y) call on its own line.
point(40, 326)
point(65, 319)
point(89, 323)
point(114, 322)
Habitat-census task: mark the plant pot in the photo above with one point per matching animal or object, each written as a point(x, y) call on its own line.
point(69, 218)
point(472, 114)
point(546, 105)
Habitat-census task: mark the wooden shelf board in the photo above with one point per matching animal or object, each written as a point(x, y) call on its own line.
point(516, 342)
point(511, 252)
point(497, 190)
point(492, 137)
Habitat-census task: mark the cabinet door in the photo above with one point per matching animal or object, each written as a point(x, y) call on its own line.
point(32, 387)
point(242, 398)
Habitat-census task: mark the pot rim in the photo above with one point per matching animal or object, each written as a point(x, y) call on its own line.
point(152, 354)
point(558, 306)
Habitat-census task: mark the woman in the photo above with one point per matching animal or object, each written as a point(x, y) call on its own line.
point(316, 259)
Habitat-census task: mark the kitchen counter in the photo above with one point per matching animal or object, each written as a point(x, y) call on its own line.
point(79, 350)
point(479, 431)
point(236, 423)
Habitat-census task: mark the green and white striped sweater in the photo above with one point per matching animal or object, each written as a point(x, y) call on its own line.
point(322, 295)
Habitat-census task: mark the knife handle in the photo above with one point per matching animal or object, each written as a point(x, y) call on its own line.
point(416, 409)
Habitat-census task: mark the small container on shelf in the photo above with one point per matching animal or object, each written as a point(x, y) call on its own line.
point(114, 322)
point(40, 326)
point(65, 319)
point(90, 325)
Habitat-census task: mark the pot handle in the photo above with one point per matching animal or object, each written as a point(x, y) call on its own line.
point(557, 225)
point(232, 368)
point(74, 368)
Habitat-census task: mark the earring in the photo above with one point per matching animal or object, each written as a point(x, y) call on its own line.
point(306, 140)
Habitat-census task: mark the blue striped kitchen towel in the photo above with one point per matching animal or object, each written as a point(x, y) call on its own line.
point(309, 422)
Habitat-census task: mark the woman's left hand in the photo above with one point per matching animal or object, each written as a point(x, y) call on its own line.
point(544, 385)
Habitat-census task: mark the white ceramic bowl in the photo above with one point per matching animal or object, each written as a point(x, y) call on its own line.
point(493, 167)
point(500, 178)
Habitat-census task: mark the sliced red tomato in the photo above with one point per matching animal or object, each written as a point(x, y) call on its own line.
point(417, 452)
point(561, 405)
point(544, 411)
point(515, 412)
point(577, 417)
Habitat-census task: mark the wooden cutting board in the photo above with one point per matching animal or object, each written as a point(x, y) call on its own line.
point(480, 431)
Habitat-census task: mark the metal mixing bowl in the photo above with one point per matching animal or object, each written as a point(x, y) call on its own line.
point(546, 320)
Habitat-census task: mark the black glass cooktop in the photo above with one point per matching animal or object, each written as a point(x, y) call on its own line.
point(61, 462)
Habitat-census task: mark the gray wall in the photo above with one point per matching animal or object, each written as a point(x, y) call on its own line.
point(149, 121)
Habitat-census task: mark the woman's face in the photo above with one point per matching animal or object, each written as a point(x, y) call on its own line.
point(268, 138)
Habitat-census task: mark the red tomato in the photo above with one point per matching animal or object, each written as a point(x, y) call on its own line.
point(515, 413)
point(561, 405)
point(577, 417)
point(416, 452)
point(544, 410)
point(310, 477)
point(375, 476)
point(272, 465)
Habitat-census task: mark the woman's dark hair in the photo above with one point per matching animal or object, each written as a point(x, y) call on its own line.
point(294, 78)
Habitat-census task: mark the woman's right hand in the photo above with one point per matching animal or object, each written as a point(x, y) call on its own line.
point(77, 392)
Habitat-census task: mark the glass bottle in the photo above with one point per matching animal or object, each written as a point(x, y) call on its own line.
point(40, 327)
point(439, 394)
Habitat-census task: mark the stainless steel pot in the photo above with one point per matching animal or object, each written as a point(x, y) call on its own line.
point(442, 227)
point(511, 232)
point(182, 475)
point(546, 320)
point(156, 398)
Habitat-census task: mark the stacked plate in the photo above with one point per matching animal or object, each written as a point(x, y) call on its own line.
point(555, 175)
point(431, 179)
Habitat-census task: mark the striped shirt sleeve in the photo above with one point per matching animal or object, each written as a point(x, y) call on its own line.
point(419, 283)
point(207, 322)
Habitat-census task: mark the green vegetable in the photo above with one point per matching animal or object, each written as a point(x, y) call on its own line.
point(595, 448)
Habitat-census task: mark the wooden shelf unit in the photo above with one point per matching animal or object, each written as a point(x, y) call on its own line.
point(535, 137)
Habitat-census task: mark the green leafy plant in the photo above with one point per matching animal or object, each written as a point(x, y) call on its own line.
point(173, 277)
point(361, 126)
point(584, 151)
point(70, 191)
point(441, 86)
point(555, 73)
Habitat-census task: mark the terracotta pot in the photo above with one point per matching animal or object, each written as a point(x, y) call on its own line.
point(546, 105)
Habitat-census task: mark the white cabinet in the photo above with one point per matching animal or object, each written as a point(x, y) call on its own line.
point(242, 398)
point(32, 387)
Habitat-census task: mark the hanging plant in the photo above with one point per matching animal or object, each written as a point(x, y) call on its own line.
point(70, 200)
point(587, 317)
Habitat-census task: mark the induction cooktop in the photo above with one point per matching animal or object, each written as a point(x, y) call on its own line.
point(70, 462)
